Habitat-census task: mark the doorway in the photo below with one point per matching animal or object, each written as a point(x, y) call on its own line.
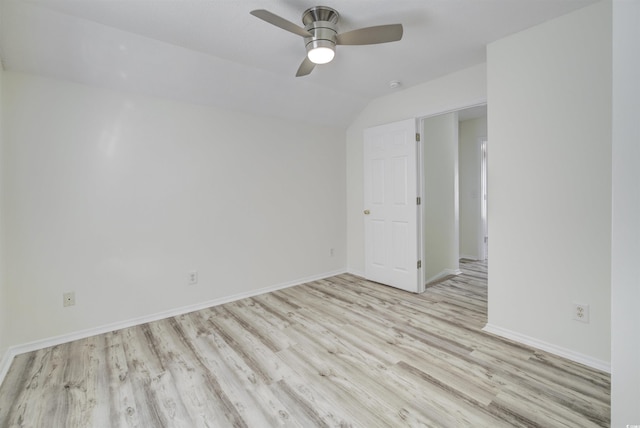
point(451, 212)
point(455, 191)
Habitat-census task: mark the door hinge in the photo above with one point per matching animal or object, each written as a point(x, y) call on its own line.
point(419, 264)
point(417, 136)
point(418, 200)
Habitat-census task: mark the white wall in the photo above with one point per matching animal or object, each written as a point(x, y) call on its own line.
point(625, 251)
point(451, 92)
point(440, 196)
point(117, 196)
point(549, 101)
point(471, 230)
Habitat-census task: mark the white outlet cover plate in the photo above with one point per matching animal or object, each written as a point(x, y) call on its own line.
point(581, 312)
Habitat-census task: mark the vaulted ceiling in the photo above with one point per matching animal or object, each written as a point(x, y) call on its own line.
point(213, 52)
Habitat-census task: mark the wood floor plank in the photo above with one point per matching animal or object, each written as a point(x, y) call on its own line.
point(151, 379)
point(355, 405)
point(452, 408)
point(338, 352)
point(237, 379)
point(123, 411)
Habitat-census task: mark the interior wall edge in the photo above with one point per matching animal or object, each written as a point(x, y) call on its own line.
point(3, 282)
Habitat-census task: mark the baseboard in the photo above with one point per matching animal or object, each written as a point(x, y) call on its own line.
point(442, 274)
point(8, 356)
point(549, 347)
point(356, 272)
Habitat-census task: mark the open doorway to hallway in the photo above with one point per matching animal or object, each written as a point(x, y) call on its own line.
point(455, 191)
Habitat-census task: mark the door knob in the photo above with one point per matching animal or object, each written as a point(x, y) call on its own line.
point(367, 212)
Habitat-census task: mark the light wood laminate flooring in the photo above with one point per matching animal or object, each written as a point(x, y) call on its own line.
point(337, 352)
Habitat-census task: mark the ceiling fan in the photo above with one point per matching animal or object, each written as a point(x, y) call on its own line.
point(321, 36)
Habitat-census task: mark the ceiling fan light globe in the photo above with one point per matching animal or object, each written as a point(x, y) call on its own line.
point(321, 55)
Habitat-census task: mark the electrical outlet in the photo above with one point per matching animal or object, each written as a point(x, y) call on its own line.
point(68, 299)
point(581, 312)
point(192, 277)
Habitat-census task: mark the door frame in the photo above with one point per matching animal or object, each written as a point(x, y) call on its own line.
point(422, 286)
point(421, 172)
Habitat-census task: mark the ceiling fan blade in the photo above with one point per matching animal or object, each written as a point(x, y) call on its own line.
point(371, 35)
point(305, 68)
point(273, 19)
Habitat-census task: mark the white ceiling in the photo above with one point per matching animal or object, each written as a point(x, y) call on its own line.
point(214, 52)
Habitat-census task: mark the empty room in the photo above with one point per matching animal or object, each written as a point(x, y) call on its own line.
point(359, 213)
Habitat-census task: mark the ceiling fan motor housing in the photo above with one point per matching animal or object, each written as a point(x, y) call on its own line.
point(321, 22)
point(320, 13)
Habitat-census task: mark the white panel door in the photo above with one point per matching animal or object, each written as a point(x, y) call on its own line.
point(390, 208)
